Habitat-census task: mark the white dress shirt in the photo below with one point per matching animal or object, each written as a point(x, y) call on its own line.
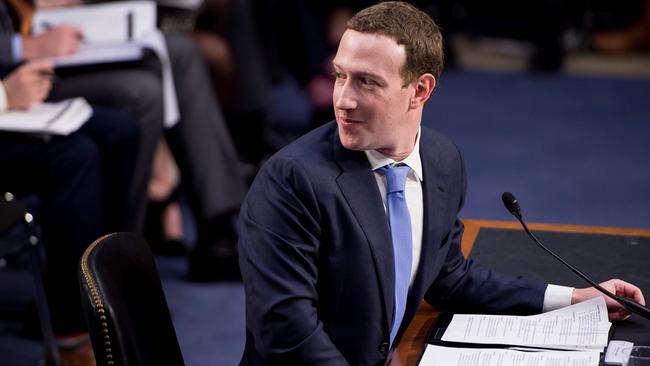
point(555, 296)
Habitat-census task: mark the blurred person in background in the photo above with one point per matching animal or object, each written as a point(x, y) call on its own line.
point(201, 144)
point(227, 37)
point(82, 182)
point(163, 228)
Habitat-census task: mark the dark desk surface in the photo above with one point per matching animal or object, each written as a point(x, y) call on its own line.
point(601, 253)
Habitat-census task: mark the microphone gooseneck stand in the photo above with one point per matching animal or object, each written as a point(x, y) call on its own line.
point(512, 205)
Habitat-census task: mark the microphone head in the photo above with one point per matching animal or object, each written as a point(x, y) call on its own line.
point(511, 203)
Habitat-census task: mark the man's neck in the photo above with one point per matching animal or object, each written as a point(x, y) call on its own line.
point(401, 152)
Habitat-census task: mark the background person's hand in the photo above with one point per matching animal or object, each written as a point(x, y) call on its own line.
point(617, 287)
point(58, 41)
point(30, 83)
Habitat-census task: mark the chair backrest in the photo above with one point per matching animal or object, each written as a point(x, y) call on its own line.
point(124, 304)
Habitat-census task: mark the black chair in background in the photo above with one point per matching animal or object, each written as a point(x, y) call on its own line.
point(124, 304)
point(13, 212)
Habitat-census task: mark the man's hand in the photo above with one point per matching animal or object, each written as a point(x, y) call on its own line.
point(617, 287)
point(30, 83)
point(58, 41)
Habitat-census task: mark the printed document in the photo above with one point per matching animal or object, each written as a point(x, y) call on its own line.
point(581, 326)
point(449, 356)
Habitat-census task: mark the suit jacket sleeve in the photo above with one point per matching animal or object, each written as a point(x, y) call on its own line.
point(463, 286)
point(279, 248)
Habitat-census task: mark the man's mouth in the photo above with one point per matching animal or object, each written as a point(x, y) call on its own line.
point(348, 121)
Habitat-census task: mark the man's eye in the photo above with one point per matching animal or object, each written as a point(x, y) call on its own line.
point(339, 75)
point(366, 81)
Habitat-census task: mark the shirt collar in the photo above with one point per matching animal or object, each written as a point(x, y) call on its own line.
point(377, 159)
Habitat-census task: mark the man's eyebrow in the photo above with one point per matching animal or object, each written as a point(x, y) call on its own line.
point(370, 75)
point(365, 74)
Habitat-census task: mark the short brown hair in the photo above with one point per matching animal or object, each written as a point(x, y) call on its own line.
point(408, 26)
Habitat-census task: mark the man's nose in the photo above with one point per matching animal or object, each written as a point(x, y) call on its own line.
point(346, 99)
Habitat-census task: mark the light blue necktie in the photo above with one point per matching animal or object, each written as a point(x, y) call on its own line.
point(400, 230)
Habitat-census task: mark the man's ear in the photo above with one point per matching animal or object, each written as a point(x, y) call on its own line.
point(424, 86)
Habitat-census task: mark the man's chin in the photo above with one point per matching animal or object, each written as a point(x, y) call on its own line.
point(351, 142)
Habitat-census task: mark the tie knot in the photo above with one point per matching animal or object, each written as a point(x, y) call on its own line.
point(395, 177)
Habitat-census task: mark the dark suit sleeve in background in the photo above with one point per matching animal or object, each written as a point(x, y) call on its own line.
point(6, 35)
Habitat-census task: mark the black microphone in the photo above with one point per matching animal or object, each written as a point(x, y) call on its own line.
point(513, 207)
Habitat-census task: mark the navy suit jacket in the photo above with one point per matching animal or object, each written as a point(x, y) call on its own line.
point(317, 259)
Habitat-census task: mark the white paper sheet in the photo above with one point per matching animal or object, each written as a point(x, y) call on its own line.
point(449, 356)
point(60, 118)
point(115, 32)
point(618, 352)
point(100, 23)
point(155, 41)
point(581, 326)
point(89, 54)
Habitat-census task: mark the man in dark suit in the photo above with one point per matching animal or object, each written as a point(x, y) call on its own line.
point(333, 267)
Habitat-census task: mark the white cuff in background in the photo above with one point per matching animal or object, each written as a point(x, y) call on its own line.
point(557, 297)
point(3, 97)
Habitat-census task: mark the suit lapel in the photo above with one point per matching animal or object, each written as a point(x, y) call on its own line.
point(359, 187)
point(435, 204)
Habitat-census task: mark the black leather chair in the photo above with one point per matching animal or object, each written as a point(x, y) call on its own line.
point(124, 304)
point(12, 213)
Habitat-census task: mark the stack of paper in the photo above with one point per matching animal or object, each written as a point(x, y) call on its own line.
point(448, 356)
point(111, 32)
point(114, 32)
point(581, 329)
point(581, 326)
point(60, 118)
point(113, 22)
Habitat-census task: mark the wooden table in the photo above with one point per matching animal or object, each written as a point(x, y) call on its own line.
point(413, 341)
